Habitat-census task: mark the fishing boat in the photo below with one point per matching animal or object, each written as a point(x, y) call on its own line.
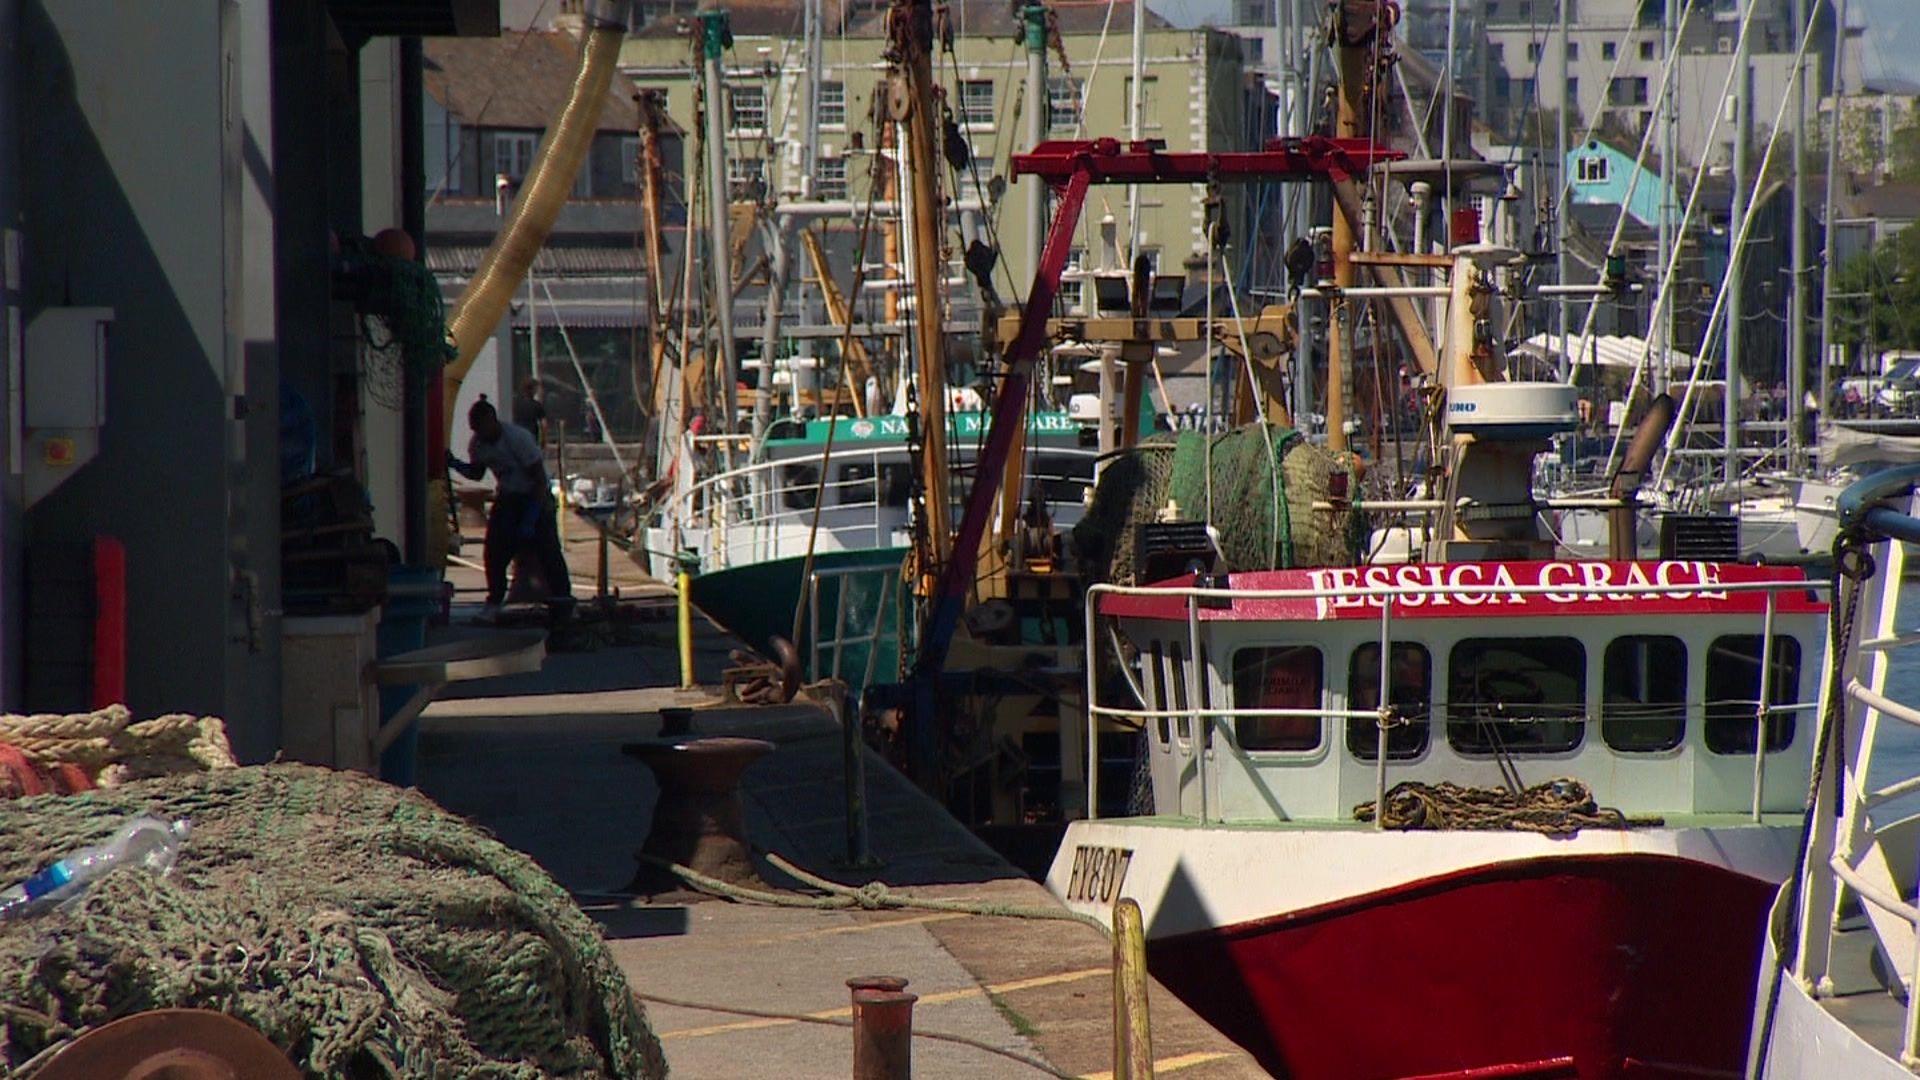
point(822, 522)
point(1841, 955)
point(1490, 813)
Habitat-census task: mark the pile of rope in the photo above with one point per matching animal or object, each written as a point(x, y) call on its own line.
point(362, 929)
point(1265, 479)
point(109, 748)
point(1557, 808)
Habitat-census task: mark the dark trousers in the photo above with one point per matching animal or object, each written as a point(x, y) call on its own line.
point(524, 525)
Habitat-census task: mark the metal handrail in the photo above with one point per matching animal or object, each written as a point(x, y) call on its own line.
point(1203, 715)
point(755, 496)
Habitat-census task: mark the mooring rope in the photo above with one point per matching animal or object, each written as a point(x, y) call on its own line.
point(873, 896)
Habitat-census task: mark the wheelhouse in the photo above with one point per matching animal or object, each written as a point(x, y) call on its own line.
point(1259, 695)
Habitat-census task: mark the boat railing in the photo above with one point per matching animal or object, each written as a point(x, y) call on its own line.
point(834, 646)
point(747, 510)
point(1202, 716)
point(1878, 516)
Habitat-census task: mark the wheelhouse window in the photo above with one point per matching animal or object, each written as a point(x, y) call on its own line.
point(1643, 693)
point(1409, 693)
point(1517, 695)
point(1733, 692)
point(1277, 677)
point(1177, 681)
point(1157, 676)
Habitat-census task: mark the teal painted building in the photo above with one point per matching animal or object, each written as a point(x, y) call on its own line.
point(1604, 175)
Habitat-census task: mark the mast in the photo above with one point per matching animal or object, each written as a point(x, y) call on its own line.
point(1797, 302)
point(1035, 19)
point(1663, 333)
point(1563, 193)
point(665, 391)
point(1136, 99)
point(1736, 280)
point(715, 36)
point(1826, 218)
point(911, 97)
point(1355, 61)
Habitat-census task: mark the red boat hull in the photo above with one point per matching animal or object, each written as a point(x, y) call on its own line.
point(1595, 967)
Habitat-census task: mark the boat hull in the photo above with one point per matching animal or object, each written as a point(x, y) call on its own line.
point(756, 601)
point(1593, 961)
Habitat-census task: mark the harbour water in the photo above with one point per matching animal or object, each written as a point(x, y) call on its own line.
point(1898, 753)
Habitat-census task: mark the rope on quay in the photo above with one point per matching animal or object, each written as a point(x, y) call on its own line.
point(841, 1022)
point(873, 896)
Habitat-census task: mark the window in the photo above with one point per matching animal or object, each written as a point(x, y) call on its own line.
point(1277, 677)
point(830, 178)
point(1625, 91)
point(1410, 694)
point(630, 160)
point(513, 154)
point(1573, 50)
point(1521, 695)
point(745, 176)
point(1646, 50)
point(1573, 91)
point(1157, 675)
point(1497, 52)
point(1533, 52)
point(1643, 693)
point(1523, 89)
point(1149, 96)
point(747, 107)
point(831, 108)
point(1177, 680)
point(976, 102)
point(1590, 170)
point(1063, 103)
point(1609, 51)
point(1733, 692)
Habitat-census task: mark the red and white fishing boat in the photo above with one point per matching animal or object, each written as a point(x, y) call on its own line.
point(1330, 946)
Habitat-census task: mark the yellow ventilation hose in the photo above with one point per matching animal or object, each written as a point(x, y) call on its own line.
point(487, 295)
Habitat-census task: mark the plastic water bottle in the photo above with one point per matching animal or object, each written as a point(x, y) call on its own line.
point(146, 842)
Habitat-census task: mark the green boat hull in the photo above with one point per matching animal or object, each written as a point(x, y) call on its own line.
point(756, 602)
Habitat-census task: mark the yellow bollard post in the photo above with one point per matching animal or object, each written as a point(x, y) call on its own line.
point(684, 583)
point(1132, 1035)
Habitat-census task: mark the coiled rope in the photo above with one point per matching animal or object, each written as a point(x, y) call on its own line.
point(1556, 808)
point(111, 746)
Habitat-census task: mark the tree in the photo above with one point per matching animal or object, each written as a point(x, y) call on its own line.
point(1877, 296)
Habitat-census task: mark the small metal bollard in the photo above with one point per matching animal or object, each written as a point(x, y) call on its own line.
point(883, 1032)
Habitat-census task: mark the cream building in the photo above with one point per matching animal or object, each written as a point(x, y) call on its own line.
point(1197, 96)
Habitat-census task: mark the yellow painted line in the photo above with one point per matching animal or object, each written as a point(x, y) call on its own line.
point(942, 998)
point(1172, 1064)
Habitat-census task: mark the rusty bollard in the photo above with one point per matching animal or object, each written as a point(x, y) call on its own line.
point(882, 1028)
point(698, 821)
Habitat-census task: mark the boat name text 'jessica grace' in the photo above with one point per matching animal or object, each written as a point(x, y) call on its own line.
point(1675, 580)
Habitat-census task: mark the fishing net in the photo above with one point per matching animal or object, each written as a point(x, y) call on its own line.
point(362, 929)
point(1265, 480)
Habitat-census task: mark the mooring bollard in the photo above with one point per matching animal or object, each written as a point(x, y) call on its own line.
point(684, 584)
point(1132, 1035)
point(882, 1032)
point(698, 821)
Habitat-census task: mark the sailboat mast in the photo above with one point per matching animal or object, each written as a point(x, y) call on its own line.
point(1826, 217)
point(1564, 192)
point(1797, 304)
point(1736, 279)
point(715, 36)
point(1669, 173)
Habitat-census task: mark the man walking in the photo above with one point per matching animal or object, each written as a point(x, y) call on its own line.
point(522, 515)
